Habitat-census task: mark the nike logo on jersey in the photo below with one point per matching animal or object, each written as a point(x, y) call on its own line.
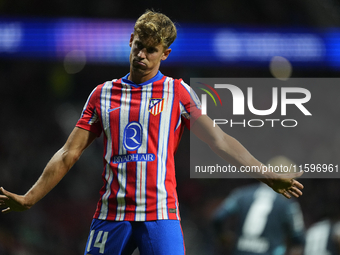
point(113, 109)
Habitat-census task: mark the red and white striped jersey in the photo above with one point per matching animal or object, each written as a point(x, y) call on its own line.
point(142, 125)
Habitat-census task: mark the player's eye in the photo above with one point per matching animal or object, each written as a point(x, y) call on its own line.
point(151, 50)
point(139, 45)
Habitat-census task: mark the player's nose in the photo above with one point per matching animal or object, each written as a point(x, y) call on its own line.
point(141, 53)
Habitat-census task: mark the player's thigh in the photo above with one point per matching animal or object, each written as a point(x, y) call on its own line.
point(161, 237)
point(110, 237)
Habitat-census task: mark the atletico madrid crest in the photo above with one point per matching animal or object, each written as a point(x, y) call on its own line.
point(156, 105)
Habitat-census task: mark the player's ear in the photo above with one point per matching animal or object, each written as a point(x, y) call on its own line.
point(131, 40)
point(166, 54)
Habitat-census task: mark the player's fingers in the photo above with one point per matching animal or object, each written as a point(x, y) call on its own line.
point(293, 193)
point(5, 192)
point(3, 198)
point(297, 184)
point(295, 190)
point(286, 194)
point(9, 195)
point(7, 210)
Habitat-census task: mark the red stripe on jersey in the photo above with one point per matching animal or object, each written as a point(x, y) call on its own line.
point(171, 184)
point(152, 167)
point(115, 116)
point(130, 198)
point(145, 193)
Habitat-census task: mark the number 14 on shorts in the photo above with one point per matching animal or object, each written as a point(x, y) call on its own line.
point(98, 244)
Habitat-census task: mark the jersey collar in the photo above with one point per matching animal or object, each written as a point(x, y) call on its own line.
point(157, 77)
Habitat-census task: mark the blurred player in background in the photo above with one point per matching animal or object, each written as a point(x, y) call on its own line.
point(266, 223)
point(141, 116)
point(323, 237)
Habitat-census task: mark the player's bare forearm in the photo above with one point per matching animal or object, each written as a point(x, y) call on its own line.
point(55, 170)
point(284, 184)
point(233, 152)
point(222, 144)
point(236, 154)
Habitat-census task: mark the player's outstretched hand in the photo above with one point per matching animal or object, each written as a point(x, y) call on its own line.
point(286, 184)
point(10, 202)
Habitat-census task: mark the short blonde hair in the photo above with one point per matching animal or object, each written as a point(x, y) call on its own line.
point(155, 28)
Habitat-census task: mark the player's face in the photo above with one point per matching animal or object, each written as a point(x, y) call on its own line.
point(145, 58)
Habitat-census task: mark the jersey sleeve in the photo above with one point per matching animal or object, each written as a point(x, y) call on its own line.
point(190, 104)
point(89, 119)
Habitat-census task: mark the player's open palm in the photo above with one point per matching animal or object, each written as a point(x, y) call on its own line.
point(11, 202)
point(286, 185)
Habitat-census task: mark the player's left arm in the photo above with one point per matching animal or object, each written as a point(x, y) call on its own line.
point(236, 154)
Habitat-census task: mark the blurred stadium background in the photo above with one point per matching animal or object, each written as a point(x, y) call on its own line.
point(52, 54)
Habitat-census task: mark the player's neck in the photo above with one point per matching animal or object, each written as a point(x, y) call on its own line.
point(138, 77)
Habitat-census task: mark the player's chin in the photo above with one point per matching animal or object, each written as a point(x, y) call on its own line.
point(139, 69)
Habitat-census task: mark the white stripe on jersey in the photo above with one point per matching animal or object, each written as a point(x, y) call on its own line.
point(94, 118)
point(105, 99)
point(164, 130)
point(178, 122)
point(193, 94)
point(141, 173)
point(122, 178)
point(87, 102)
point(184, 112)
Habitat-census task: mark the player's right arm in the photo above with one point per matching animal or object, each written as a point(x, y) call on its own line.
point(236, 154)
point(55, 170)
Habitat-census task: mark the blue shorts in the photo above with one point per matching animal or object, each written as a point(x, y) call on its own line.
point(123, 237)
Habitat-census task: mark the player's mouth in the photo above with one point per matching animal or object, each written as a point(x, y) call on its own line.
point(139, 63)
